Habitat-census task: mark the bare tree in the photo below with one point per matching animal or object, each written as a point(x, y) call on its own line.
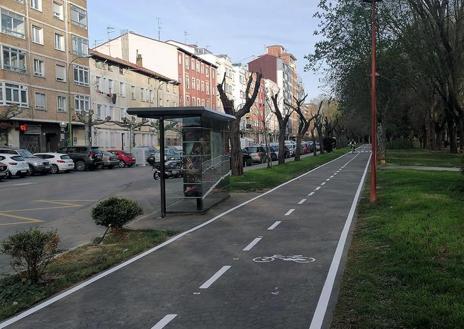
point(317, 123)
point(87, 118)
point(283, 115)
point(10, 112)
point(228, 105)
point(303, 126)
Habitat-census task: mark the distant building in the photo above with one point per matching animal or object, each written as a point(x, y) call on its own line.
point(116, 85)
point(43, 45)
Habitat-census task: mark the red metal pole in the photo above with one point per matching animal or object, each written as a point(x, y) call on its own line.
point(373, 190)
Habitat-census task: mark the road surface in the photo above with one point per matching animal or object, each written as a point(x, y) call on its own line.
point(270, 262)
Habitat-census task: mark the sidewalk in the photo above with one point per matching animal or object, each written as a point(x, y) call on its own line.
point(422, 168)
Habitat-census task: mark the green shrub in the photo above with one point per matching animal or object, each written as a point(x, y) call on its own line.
point(31, 251)
point(115, 212)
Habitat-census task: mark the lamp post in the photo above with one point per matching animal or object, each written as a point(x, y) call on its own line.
point(70, 137)
point(373, 189)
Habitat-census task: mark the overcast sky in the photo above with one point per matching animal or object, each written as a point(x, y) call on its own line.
point(239, 28)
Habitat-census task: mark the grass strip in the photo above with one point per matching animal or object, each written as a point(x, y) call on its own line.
point(265, 178)
point(417, 157)
point(405, 267)
point(75, 266)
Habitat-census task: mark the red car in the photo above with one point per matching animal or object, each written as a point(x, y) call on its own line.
point(125, 159)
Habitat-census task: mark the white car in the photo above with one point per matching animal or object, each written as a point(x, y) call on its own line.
point(59, 162)
point(16, 164)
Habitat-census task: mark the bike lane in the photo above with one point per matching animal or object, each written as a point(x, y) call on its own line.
point(207, 280)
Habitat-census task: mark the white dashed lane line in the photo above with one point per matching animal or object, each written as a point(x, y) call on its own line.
point(164, 321)
point(289, 212)
point(302, 201)
point(323, 183)
point(273, 226)
point(317, 188)
point(252, 244)
point(311, 194)
point(215, 277)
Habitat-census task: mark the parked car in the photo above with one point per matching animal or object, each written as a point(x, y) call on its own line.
point(276, 150)
point(109, 160)
point(291, 145)
point(246, 158)
point(125, 159)
point(3, 170)
point(257, 153)
point(36, 165)
point(84, 157)
point(59, 162)
point(17, 166)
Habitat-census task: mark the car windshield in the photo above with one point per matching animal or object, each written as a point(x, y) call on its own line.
point(252, 149)
point(25, 153)
point(8, 151)
point(65, 157)
point(18, 158)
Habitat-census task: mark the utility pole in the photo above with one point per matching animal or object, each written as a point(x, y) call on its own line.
point(159, 28)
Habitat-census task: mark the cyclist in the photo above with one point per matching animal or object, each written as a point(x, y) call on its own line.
point(352, 145)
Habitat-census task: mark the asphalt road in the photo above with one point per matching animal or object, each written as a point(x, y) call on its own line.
point(64, 202)
point(269, 263)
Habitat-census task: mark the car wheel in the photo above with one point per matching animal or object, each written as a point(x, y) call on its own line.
point(80, 165)
point(122, 164)
point(54, 169)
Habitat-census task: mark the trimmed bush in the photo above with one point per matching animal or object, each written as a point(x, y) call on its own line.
point(31, 251)
point(115, 212)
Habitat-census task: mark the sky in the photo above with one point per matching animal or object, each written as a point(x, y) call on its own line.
point(239, 28)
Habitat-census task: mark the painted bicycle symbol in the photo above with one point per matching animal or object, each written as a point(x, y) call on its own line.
point(300, 259)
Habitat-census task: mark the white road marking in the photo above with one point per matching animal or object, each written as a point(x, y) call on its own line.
point(311, 194)
point(97, 277)
point(332, 176)
point(252, 244)
point(273, 226)
point(216, 276)
point(164, 321)
point(322, 304)
point(23, 184)
point(317, 188)
point(289, 212)
point(302, 201)
point(328, 179)
point(323, 183)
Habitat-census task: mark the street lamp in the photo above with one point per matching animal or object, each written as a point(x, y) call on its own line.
point(373, 189)
point(70, 137)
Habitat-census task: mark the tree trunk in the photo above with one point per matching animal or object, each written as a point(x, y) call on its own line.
point(461, 134)
point(452, 136)
point(321, 139)
point(314, 143)
point(282, 145)
point(235, 149)
point(381, 157)
point(298, 147)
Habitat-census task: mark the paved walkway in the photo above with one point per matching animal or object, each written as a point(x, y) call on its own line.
point(275, 163)
point(422, 168)
point(269, 262)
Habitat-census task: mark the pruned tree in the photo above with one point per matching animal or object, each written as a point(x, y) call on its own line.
point(10, 112)
point(87, 118)
point(317, 123)
point(283, 115)
point(251, 93)
point(303, 125)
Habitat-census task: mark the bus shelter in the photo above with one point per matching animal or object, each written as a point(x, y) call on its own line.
point(205, 165)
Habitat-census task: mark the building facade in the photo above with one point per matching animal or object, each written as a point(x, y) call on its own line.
point(117, 85)
point(44, 72)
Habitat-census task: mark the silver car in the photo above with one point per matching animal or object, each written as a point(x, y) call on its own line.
point(36, 165)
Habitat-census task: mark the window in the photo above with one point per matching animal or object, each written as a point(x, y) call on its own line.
point(198, 102)
point(36, 4)
point(187, 64)
point(142, 94)
point(13, 94)
point(39, 67)
point(58, 10)
point(13, 59)
point(201, 68)
point(122, 89)
point(207, 88)
point(198, 66)
point(81, 75)
point(59, 42)
point(37, 34)
point(187, 100)
point(194, 101)
point(202, 86)
point(81, 103)
point(198, 84)
point(79, 16)
point(193, 83)
point(12, 24)
point(80, 46)
point(39, 101)
point(99, 112)
point(207, 71)
point(60, 71)
point(192, 64)
point(180, 58)
point(61, 103)
point(187, 82)
point(133, 92)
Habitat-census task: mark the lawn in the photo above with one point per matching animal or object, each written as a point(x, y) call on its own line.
point(265, 178)
point(417, 157)
point(73, 267)
point(406, 263)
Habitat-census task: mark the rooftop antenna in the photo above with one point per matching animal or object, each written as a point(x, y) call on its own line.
point(96, 42)
point(109, 30)
point(159, 28)
point(186, 34)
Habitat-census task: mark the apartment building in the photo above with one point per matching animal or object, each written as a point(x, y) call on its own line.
point(44, 72)
point(279, 66)
point(117, 85)
point(172, 59)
